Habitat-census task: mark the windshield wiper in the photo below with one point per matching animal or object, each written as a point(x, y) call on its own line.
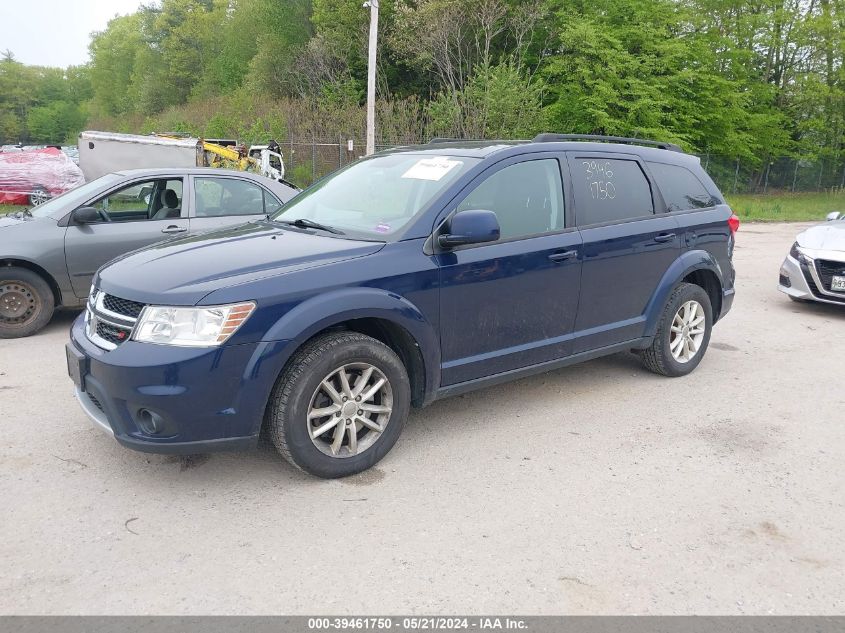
point(23, 213)
point(305, 223)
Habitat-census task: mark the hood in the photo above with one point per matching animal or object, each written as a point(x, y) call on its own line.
point(16, 219)
point(829, 236)
point(184, 270)
point(35, 226)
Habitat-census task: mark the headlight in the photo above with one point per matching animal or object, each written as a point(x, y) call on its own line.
point(795, 253)
point(205, 326)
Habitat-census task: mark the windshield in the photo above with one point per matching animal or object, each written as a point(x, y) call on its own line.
point(70, 199)
point(376, 197)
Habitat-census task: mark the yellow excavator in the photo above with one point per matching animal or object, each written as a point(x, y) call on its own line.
point(103, 152)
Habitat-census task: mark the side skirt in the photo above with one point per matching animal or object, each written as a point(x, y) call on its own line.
point(523, 372)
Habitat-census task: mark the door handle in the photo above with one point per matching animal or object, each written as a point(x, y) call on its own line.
point(664, 237)
point(174, 229)
point(563, 256)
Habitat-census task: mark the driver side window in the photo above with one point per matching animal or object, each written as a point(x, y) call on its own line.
point(527, 198)
point(147, 200)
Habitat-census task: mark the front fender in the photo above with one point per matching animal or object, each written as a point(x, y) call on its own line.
point(684, 265)
point(331, 308)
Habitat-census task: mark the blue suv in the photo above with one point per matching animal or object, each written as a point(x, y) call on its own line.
point(411, 275)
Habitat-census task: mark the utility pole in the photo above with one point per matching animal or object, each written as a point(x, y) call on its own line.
point(371, 77)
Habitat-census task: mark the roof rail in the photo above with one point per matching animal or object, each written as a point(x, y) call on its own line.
point(551, 138)
point(438, 139)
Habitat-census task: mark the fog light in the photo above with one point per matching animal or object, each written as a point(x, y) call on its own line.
point(785, 281)
point(150, 422)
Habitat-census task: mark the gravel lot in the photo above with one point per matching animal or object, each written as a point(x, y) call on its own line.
point(599, 488)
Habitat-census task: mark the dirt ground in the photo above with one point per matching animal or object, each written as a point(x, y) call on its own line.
point(599, 488)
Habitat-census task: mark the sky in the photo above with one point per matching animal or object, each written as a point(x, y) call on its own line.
point(56, 32)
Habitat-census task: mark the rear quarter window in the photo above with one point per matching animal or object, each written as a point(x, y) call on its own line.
point(681, 189)
point(609, 189)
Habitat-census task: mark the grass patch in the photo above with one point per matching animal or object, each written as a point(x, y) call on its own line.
point(10, 208)
point(787, 207)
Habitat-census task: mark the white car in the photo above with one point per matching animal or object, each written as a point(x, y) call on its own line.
point(814, 269)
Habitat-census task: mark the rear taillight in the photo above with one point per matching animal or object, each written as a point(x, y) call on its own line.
point(733, 223)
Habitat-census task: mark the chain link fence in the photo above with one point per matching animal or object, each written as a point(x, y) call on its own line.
point(308, 161)
point(777, 175)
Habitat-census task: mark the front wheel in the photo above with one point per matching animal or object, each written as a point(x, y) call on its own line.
point(26, 302)
point(683, 332)
point(340, 405)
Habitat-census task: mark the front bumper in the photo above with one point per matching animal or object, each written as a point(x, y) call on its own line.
point(800, 281)
point(163, 399)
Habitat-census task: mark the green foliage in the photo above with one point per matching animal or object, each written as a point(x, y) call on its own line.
point(113, 57)
point(632, 68)
point(794, 207)
point(58, 122)
point(41, 105)
point(497, 102)
point(746, 81)
point(219, 126)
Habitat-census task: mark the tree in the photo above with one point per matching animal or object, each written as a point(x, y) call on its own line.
point(639, 68)
point(114, 53)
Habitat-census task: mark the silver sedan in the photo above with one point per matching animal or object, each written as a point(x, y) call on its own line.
point(48, 254)
point(814, 269)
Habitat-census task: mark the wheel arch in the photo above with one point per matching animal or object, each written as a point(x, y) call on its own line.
point(384, 316)
point(707, 279)
point(8, 262)
point(696, 267)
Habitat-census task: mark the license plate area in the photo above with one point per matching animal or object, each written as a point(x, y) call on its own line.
point(77, 366)
point(837, 283)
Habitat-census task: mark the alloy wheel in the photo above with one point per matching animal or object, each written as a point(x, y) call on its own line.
point(349, 410)
point(38, 197)
point(687, 332)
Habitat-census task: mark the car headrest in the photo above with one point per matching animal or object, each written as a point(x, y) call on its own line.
point(169, 199)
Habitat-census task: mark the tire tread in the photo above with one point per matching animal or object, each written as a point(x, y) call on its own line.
point(653, 357)
point(298, 365)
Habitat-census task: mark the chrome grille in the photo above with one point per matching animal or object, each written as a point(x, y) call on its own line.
point(110, 320)
point(112, 333)
point(122, 306)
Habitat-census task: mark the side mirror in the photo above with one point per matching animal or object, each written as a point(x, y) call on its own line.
point(834, 215)
point(86, 215)
point(475, 226)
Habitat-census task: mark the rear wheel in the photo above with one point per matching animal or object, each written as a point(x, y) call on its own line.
point(26, 302)
point(38, 195)
point(683, 332)
point(340, 405)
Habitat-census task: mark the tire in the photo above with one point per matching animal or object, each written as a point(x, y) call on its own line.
point(660, 358)
point(26, 302)
point(300, 391)
point(38, 195)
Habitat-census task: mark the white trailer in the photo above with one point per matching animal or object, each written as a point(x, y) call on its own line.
point(104, 152)
point(101, 153)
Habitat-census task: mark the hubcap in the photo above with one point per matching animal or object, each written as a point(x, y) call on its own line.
point(349, 410)
point(687, 331)
point(18, 303)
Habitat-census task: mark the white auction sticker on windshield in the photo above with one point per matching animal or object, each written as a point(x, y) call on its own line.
point(433, 168)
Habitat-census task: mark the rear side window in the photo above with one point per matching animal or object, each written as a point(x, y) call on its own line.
point(227, 196)
point(609, 189)
point(681, 189)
